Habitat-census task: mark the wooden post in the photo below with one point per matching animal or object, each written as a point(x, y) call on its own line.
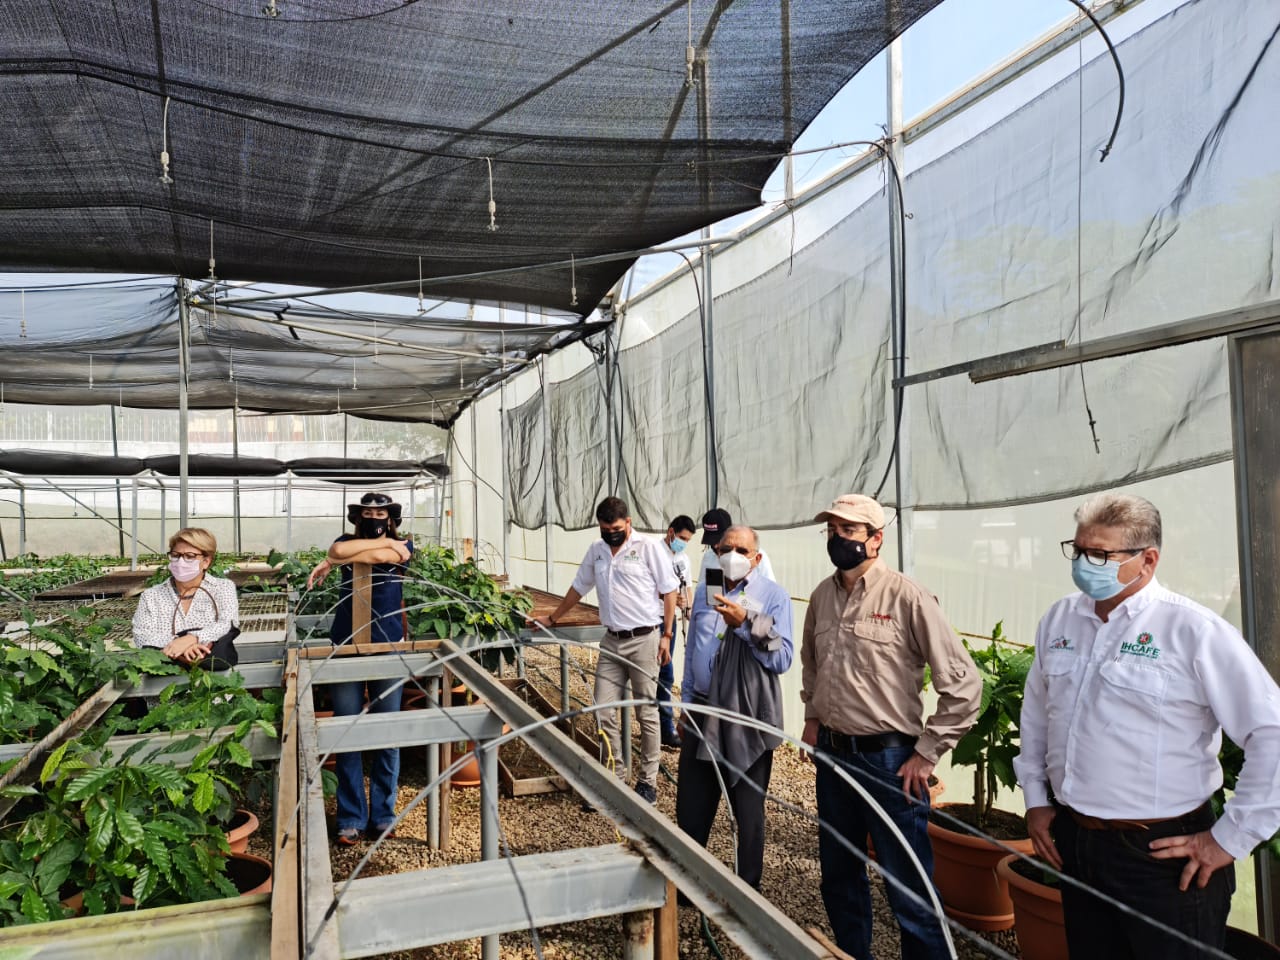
point(286, 893)
point(666, 922)
point(361, 602)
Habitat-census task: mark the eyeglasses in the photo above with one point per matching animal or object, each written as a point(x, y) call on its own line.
point(186, 556)
point(846, 531)
point(721, 551)
point(1099, 558)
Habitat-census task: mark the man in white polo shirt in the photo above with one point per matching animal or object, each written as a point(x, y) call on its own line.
point(637, 587)
point(1126, 701)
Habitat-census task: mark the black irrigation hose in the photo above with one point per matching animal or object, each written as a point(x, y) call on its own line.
point(1115, 57)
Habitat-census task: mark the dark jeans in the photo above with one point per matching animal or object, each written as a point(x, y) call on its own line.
point(1118, 865)
point(384, 768)
point(846, 891)
point(666, 677)
point(698, 799)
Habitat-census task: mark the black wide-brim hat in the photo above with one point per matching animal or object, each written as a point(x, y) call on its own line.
point(374, 500)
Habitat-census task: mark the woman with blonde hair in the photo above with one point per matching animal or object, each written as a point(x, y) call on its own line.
point(189, 612)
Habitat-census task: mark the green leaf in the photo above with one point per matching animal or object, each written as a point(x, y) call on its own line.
point(89, 783)
point(101, 832)
point(51, 765)
point(33, 906)
point(19, 791)
point(202, 799)
point(144, 885)
point(129, 828)
point(238, 754)
point(9, 887)
point(155, 850)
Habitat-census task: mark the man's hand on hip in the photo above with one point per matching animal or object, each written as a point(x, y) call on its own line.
point(1202, 852)
point(1038, 821)
point(915, 775)
point(810, 737)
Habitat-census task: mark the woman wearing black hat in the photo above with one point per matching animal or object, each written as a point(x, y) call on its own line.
point(375, 542)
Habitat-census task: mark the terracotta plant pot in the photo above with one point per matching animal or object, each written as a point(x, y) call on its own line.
point(964, 871)
point(243, 825)
point(250, 874)
point(468, 775)
point(1037, 911)
point(1245, 946)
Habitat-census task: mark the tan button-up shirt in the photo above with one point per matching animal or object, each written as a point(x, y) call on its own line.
point(863, 657)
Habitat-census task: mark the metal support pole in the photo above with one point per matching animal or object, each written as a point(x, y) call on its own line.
point(437, 489)
point(637, 935)
point(788, 165)
point(475, 488)
point(288, 514)
point(184, 362)
point(708, 339)
point(502, 474)
point(133, 550)
point(547, 478)
point(626, 733)
point(433, 773)
point(564, 679)
point(22, 521)
point(413, 497)
point(115, 452)
point(488, 757)
point(902, 459)
point(235, 484)
point(164, 518)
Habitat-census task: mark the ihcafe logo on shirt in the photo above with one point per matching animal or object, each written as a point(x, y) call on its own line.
point(1141, 647)
point(1061, 643)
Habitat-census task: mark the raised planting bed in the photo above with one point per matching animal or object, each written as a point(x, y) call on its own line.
point(521, 772)
point(121, 583)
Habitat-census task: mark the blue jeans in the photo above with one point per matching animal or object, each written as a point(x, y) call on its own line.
point(666, 677)
point(846, 892)
point(384, 773)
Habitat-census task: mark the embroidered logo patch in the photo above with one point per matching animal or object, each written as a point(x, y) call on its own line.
point(1141, 647)
point(1061, 643)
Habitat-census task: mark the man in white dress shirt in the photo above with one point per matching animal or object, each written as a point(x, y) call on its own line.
point(633, 575)
point(1126, 702)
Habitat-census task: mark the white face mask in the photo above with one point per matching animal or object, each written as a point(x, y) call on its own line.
point(735, 565)
point(184, 570)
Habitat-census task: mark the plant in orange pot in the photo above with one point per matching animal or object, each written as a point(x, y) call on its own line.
point(964, 863)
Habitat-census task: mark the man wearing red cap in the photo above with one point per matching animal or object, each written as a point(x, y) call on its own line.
point(868, 635)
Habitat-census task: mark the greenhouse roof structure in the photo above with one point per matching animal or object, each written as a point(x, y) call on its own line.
point(477, 150)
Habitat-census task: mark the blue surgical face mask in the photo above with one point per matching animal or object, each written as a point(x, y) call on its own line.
point(677, 545)
point(1100, 583)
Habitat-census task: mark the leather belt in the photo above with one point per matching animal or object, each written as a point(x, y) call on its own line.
point(1102, 823)
point(628, 634)
point(869, 742)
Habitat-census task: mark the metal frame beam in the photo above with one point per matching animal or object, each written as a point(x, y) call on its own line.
point(408, 728)
point(383, 914)
point(746, 916)
point(376, 667)
point(1058, 353)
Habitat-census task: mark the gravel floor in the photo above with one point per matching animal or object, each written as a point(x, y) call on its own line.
point(555, 821)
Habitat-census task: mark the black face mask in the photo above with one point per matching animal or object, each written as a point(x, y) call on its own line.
point(614, 538)
point(846, 554)
point(371, 528)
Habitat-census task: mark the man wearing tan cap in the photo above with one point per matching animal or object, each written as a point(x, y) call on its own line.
point(868, 635)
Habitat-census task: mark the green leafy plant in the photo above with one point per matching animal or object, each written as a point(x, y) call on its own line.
point(141, 826)
point(992, 742)
point(49, 672)
point(50, 573)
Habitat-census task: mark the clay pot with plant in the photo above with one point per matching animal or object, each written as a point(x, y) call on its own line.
point(965, 863)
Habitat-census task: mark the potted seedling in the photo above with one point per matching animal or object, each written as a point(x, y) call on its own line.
point(965, 863)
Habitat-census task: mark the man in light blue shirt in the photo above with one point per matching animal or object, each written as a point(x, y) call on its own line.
point(739, 641)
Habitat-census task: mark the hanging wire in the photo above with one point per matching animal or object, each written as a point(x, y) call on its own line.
point(493, 205)
point(213, 277)
point(164, 145)
point(22, 324)
point(1084, 388)
point(573, 281)
point(690, 55)
point(422, 308)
